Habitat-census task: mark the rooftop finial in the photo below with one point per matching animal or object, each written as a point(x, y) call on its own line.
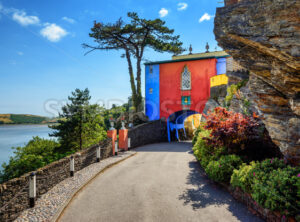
point(207, 47)
point(191, 49)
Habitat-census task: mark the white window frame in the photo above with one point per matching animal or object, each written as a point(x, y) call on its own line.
point(184, 72)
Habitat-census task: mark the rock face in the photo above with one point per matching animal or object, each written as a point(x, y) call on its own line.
point(263, 36)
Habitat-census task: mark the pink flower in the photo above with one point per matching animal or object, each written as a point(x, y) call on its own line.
point(298, 175)
point(253, 173)
point(219, 165)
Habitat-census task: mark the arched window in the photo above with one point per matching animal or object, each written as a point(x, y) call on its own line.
point(186, 79)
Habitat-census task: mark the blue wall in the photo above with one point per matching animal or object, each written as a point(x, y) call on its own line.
point(221, 66)
point(152, 99)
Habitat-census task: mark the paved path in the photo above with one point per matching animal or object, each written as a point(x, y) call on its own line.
point(163, 182)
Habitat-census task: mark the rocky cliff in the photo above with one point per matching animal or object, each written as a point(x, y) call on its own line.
point(263, 36)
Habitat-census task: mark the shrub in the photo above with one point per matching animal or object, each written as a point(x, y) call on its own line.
point(221, 170)
point(268, 165)
point(37, 153)
point(232, 90)
point(243, 177)
point(204, 152)
point(278, 190)
point(231, 130)
point(196, 133)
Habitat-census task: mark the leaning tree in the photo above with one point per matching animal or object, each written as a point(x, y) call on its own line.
point(133, 38)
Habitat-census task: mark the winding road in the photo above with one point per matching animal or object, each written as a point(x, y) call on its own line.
point(163, 182)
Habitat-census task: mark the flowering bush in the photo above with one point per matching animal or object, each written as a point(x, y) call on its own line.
point(221, 170)
point(231, 130)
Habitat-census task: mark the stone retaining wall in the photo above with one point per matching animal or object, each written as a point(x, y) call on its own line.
point(14, 193)
point(147, 133)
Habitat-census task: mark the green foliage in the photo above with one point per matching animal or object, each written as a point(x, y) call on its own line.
point(204, 152)
point(232, 90)
point(81, 124)
point(196, 133)
point(268, 165)
point(115, 112)
point(272, 184)
point(37, 153)
point(27, 119)
point(243, 177)
point(221, 170)
point(134, 37)
point(278, 190)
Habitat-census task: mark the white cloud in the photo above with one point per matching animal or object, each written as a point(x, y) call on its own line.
point(182, 6)
point(163, 12)
point(20, 53)
point(206, 16)
point(23, 19)
point(53, 32)
point(70, 20)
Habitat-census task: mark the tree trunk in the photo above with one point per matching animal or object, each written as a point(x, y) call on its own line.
point(138, 84)
point(80, 132)
point(132, 82)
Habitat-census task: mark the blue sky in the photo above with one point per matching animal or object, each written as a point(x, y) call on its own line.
point(42, 61)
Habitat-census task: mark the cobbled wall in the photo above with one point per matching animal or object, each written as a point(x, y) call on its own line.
point(14, 193)
point(147, 133)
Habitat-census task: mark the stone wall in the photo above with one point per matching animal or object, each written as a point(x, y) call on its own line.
point(147, 133)
point(263, 37)
point(14, 193)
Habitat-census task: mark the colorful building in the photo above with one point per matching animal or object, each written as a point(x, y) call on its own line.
point(178, 88)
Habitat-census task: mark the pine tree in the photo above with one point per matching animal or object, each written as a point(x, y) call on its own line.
point(133, 38)
point(80, 124)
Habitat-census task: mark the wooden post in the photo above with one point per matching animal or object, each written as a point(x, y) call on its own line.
point(32, 189)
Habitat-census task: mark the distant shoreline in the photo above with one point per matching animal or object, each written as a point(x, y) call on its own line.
point(26, 124)
point(21, 119)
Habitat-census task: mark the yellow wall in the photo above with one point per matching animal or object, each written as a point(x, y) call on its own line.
point(188, 123)
point(218, 80)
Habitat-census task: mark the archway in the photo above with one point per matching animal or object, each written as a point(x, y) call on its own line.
point(176, 121)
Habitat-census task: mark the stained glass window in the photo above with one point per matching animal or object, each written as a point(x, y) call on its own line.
point(186, 79)
point(186, 100)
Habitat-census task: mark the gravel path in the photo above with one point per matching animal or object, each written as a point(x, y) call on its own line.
point(50, 205)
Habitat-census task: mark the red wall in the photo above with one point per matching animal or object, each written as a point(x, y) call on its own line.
point(170, 85)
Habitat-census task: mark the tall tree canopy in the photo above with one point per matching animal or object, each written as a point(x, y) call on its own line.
point(133, 38)
point(81, 124)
